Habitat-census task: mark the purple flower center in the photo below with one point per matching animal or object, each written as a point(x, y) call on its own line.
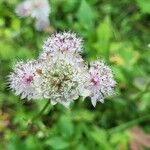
point(94, 81)
point(28, 80)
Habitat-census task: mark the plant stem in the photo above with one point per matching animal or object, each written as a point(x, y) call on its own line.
point(42, 110)
point(129, 124)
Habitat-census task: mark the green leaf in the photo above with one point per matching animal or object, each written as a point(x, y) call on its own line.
point(33, 143)
point(104, 35)
point(86, 15)
point(100, 137)
point(144, 103)
point(16, 144)
point(65, 126)
point(69, 6)
point(83, 115)
point(124, 54)
point(81, 147)
point(24, 53)
point(120, 138)
point(15, 24)
point(6, 51)
point(144, 5)
point(57, 143)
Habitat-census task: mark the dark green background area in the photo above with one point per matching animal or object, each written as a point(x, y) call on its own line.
point(117, 31)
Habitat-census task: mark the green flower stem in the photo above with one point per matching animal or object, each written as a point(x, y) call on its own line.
point(42, 111)
point(129, 124)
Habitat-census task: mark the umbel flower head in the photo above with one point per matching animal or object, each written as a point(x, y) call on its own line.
point(63, 45)
point(38, 9)
point(63, 42)
point(61, 81)
point(101, 82)
point(61, 75)
point(22, 80)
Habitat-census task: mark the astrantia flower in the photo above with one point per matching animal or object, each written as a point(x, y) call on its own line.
point(101, 82)
point(38, 9)
point(22, 79)
point(24, 9)
point(61, 57)
point(42, 23)
point(61, 81)
point(63, 42)
point(61, 75)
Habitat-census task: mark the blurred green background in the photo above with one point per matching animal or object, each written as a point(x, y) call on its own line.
point(116, 30)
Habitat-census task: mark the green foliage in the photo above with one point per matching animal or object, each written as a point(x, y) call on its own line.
point(104, 34)
point(114, 30)
point(85, 15)
point(144, 5)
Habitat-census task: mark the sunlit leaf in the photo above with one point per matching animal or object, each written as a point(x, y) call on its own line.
point(144, 5)
point(65, 126)
point(86, 14)
point(104, 35)
point(57, 143)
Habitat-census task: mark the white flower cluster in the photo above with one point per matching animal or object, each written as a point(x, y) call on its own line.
point(101, 81)
point(61, 75)
point(38, 9)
